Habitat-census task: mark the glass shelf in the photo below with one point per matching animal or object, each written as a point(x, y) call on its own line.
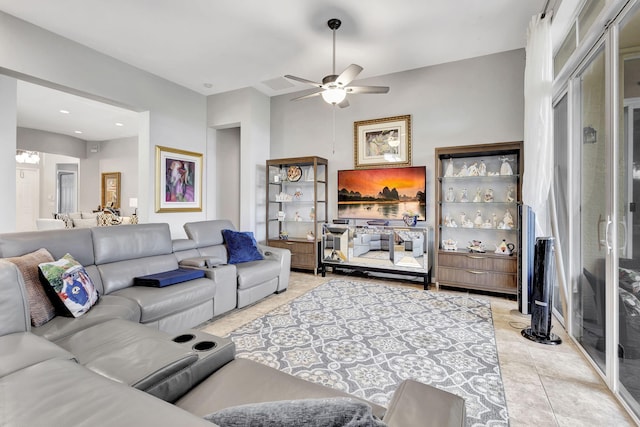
point(481, 178)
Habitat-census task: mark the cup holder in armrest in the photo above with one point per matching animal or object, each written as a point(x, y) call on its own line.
point(204, 345)
point(184, 338)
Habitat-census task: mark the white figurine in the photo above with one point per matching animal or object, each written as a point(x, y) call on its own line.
point(478, 220)
point(449, 222)
point(482, 169)
point(449, 169)
point(495, 220)
point(478, 197)
point(463, 170)
point(464, 198)
point(473, 170)
point(464, 222)
point(450, 196)
point(488, 195)
point(505, 169)
point(510, 197)
point(487, 224)
point(507, 220)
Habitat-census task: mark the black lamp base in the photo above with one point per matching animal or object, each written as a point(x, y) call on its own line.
point(552, 339)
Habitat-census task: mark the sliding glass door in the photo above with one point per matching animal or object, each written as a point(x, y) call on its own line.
point(628, 196)
point(597, 115)
point(589, 318)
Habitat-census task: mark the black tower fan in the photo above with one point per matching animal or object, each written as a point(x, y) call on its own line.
point(544, 275)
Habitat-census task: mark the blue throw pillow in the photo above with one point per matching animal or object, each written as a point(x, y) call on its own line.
point(242, 246)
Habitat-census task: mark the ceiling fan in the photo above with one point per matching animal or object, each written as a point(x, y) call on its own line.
point(334, 88)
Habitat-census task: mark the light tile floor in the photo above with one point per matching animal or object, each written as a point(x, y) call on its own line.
point(544, 385)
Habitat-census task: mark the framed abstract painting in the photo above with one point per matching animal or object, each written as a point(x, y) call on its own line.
point(178, 180)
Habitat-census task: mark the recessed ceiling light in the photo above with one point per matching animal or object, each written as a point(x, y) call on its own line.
point(77, 131)
point(64, 111)
point(119, 124)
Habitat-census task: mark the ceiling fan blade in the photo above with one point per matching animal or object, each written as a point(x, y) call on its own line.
point(367, 89)
point(309, 95)
point(344, 104)
point(347, 76)
point(301, 80)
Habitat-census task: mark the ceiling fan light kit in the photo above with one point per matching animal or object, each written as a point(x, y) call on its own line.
point(334, 88)
point(334, 96)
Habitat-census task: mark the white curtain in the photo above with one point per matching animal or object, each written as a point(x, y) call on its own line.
point(537, 191)
point(538, 116)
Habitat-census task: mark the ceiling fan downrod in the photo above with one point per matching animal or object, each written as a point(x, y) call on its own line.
point(334, 24)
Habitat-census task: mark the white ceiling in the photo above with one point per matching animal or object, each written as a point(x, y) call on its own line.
point(232, 44)
point(40, 108)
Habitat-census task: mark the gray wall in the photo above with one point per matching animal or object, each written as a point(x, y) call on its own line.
point(248, 110)
point(49, 142)
point(474, 101)
point(171, 115)
point(118, 155)
point(8, 99)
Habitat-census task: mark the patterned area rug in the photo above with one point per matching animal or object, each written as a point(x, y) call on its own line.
point(366, 338)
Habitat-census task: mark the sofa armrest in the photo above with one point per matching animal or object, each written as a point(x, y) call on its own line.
point(225, 278)
point(284, 257)
point(414, 404)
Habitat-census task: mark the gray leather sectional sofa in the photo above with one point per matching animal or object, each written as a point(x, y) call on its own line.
point(123, 361)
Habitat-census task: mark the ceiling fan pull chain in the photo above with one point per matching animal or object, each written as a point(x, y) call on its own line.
point(334, 128)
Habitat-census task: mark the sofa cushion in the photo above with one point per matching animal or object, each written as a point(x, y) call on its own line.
point(23, 349)
point(242, 246)
point(78, 242)
point(253, 273)
point(207, 233)
point(14, 307)
point(330, 412)
point(112, 244)
point(119, 275)
point(61, 392)
point(40, 307)
point(72, 285)
point(108, 307)
point(90, 343)
point(157, 303)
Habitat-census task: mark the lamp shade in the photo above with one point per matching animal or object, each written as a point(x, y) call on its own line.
point(133, 202)
point(334, 96)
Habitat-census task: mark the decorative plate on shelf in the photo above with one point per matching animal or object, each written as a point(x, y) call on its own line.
point(294, 173)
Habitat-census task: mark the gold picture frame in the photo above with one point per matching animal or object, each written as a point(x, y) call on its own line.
point(110, 194)
point(382, 142)
point(178, 180)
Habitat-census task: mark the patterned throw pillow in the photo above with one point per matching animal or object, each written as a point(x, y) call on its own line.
point(328, 412)
point(241, 246)
point(40, 307)
point(69, 286)
point(68, 222)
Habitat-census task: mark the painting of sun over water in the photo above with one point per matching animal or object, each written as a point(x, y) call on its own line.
point(385, 193)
